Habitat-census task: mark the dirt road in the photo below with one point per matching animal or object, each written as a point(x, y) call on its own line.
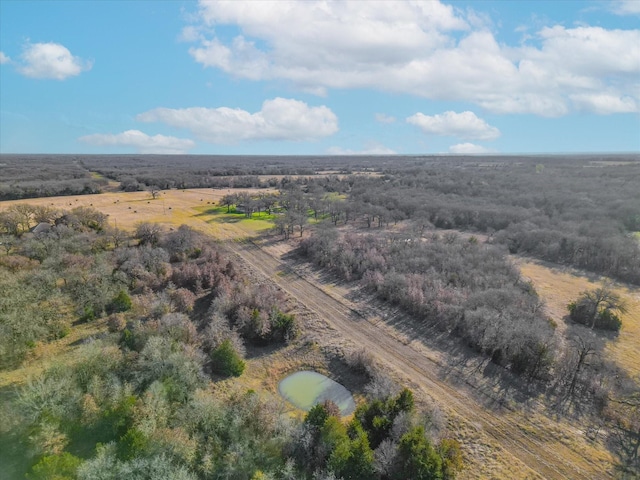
point(528, 444)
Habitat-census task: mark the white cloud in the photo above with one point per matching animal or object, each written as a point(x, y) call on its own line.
point(4, 58)
point(279, 119)
point(142, 142)
point(451, 124)
point(50, 60)
point(625, 7)
point(427, 49)
point(604, 103)
point(373, 148)
point(468, 148)
point(383, 118)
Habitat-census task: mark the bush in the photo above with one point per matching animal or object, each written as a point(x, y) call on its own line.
point(120, 303)
point(589, 310)
point(59, 467)
point(604, 319)
point(417, 458)
point(607, 320)
point(283, 326)
point(116, 322)
point(226, 360)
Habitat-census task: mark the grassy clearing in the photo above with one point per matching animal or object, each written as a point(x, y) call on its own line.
point(558, 286)
point(126, 209)
point(256, 223)
point(62, 351)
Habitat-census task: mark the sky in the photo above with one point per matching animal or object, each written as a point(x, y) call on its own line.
point(319, 77)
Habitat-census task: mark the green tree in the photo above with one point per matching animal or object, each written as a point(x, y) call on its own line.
point(378, 416)
point(55, 467)
point(227, 361)
point(120, 303)
point(417, 458)
point(352, 459)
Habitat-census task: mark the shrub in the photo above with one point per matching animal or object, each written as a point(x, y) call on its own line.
point(598, 308)
point(59, 467)
point(362, 361)
point(417, 458)
point(283, 326)
point(120, 303)
point(449, 450)
point(226, 360)
point(116, 322)
point(131, 444)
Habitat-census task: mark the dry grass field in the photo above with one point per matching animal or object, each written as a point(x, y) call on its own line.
point(126, 209)
point(558, 286)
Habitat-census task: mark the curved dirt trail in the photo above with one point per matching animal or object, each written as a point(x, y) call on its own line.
point(549, 460)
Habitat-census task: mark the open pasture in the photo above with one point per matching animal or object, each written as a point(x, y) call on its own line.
point(558, 286)
point(194, 207)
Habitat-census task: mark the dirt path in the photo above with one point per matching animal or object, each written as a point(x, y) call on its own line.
point(536, 449)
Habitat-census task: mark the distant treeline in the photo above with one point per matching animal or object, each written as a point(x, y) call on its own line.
point(137, 172)
point(33, 176)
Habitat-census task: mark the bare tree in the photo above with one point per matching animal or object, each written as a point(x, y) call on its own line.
point(25, 214)
point(625, 435)
point(154, 190)
point(149, 233)
point(583, 349)
point(599, 304)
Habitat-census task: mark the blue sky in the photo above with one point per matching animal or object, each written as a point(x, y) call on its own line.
point(319, 77)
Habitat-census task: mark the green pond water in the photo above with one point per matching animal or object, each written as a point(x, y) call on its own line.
point(305, 389)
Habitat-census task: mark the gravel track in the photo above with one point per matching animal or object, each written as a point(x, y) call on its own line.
point(549, 460)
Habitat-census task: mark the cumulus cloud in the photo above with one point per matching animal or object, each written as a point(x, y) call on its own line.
point(451, 124)
point(141, 142)
point(468, 148)
point(50, 60)
point(4, 58)
point(383, 118)
point(373, 148)
point(427, 49)
point(279, 119)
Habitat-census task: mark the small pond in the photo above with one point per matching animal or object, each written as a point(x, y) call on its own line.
point(305, 389)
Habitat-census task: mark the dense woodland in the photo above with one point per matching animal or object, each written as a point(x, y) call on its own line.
point(138, 403)
point(31, 176)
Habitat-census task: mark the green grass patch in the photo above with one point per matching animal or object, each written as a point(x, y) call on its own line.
point(256, 222)
point(97, 176)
